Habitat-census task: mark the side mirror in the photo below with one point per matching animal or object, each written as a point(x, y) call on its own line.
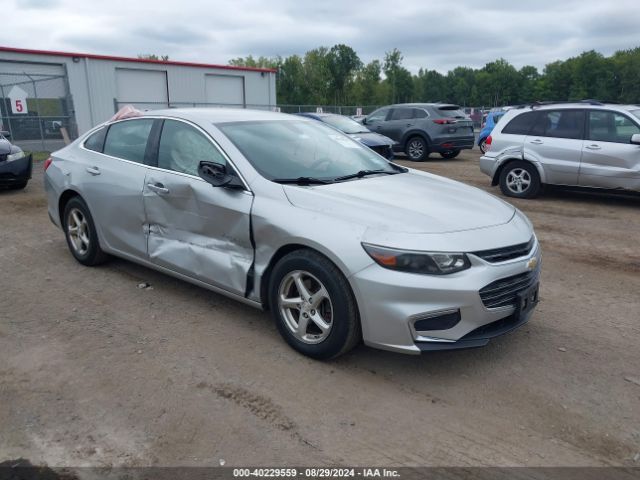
point(5, 134)
point(635, 138)
point(217, 175)
point(364, 121)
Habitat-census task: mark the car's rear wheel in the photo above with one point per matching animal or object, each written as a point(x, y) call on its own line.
point(417, 149)
point(520, 179)
point(483, 145)
point(448, 154)
point(313, 306)
point(81, 234)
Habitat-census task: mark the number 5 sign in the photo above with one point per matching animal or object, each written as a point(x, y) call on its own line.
point(18, 98)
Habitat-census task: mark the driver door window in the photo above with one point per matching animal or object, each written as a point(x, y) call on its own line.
point(378, 115)
point(182, 148)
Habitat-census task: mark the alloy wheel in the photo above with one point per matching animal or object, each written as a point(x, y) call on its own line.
point(416, 149)
point(305, 306)
point(78, 230)
point(518, 180)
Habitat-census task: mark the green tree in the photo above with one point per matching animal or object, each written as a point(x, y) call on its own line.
point(342, 62)
point(153, 56)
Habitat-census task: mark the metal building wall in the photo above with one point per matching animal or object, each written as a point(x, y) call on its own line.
point(92, 82)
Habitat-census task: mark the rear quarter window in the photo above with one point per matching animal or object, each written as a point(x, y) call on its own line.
point(95, 141)
point(521, 124)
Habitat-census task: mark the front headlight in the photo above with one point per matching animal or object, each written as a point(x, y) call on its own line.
point(15, 156)
point(430, 263)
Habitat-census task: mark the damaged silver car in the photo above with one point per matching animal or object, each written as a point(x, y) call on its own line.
point(289, 215)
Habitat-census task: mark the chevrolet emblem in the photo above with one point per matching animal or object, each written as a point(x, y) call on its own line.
point(532, 263)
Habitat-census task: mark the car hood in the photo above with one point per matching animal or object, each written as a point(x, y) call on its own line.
point(413, 202)
point(371, 139)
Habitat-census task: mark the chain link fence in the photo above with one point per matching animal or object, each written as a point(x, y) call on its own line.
point(43, 115)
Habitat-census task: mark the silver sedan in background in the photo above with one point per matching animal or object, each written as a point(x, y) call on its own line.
point(289, 215)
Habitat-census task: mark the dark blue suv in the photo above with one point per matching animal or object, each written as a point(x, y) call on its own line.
point(378, 143)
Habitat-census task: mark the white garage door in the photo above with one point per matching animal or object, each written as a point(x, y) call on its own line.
point(142, 88)
point(225, 89)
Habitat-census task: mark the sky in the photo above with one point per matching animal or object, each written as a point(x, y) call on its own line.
point(437, 35)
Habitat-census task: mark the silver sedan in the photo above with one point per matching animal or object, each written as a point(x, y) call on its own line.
point(289, 215)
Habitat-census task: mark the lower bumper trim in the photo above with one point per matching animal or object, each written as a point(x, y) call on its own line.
point(480, 336)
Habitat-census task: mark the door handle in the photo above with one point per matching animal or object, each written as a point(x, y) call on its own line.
point(93, 170)
point(409, 124)
point(158, 188)
point(593, 147)
point(537, 141)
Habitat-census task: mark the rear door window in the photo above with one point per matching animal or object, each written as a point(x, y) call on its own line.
point(401, 114)
point(610, 127)
point(128, 139)
point(417, 113)
point(521, 124)
point(559, 124)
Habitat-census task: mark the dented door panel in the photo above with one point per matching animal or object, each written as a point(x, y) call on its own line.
point(198, 230)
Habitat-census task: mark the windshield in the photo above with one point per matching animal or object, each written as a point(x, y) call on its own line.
point(452, 111)
point(636, 113)
point(345, 124)
point(281, 149)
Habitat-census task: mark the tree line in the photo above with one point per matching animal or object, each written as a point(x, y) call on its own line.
point(337, 76)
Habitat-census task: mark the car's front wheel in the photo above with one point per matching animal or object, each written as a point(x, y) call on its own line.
point(81, 234)
point(417, 149)
point(520, 179)
point(313, 306)
point(448, 154)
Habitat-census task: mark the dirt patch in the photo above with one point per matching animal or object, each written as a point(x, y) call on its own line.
point(98, 372)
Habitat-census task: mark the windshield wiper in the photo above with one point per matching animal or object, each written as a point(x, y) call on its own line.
point(302, 181)
point(363, 173)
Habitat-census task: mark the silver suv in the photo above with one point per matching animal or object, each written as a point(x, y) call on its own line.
point(585, 144)
point(422, 128)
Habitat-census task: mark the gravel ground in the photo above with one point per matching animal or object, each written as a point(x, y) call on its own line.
point(95, 371)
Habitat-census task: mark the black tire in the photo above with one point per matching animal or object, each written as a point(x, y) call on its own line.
point(345, 331)
point(93, 254)
point(527, 172)
point(417, 149)
point(18, 186)
point(482, 145)
point(449, 154)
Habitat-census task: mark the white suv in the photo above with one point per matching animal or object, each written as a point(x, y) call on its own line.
point(588, 144)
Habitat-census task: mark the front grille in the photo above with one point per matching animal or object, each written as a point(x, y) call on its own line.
point(506, 253)
point(3, 158)
point(504, 292)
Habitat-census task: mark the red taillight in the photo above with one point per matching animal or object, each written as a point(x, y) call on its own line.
point(444, 121)
point(487, 142)
point(47, 162)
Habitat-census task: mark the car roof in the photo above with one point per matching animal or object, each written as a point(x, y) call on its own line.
point(577, 105)
point(220, 115)
point(422, 105)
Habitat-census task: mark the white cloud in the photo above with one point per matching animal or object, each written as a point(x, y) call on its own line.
point(436, 35)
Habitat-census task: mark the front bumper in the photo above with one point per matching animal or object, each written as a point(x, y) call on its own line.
point(16, 172)
point(391, 304)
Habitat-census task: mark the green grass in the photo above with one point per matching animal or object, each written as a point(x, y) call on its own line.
point(39, 156)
